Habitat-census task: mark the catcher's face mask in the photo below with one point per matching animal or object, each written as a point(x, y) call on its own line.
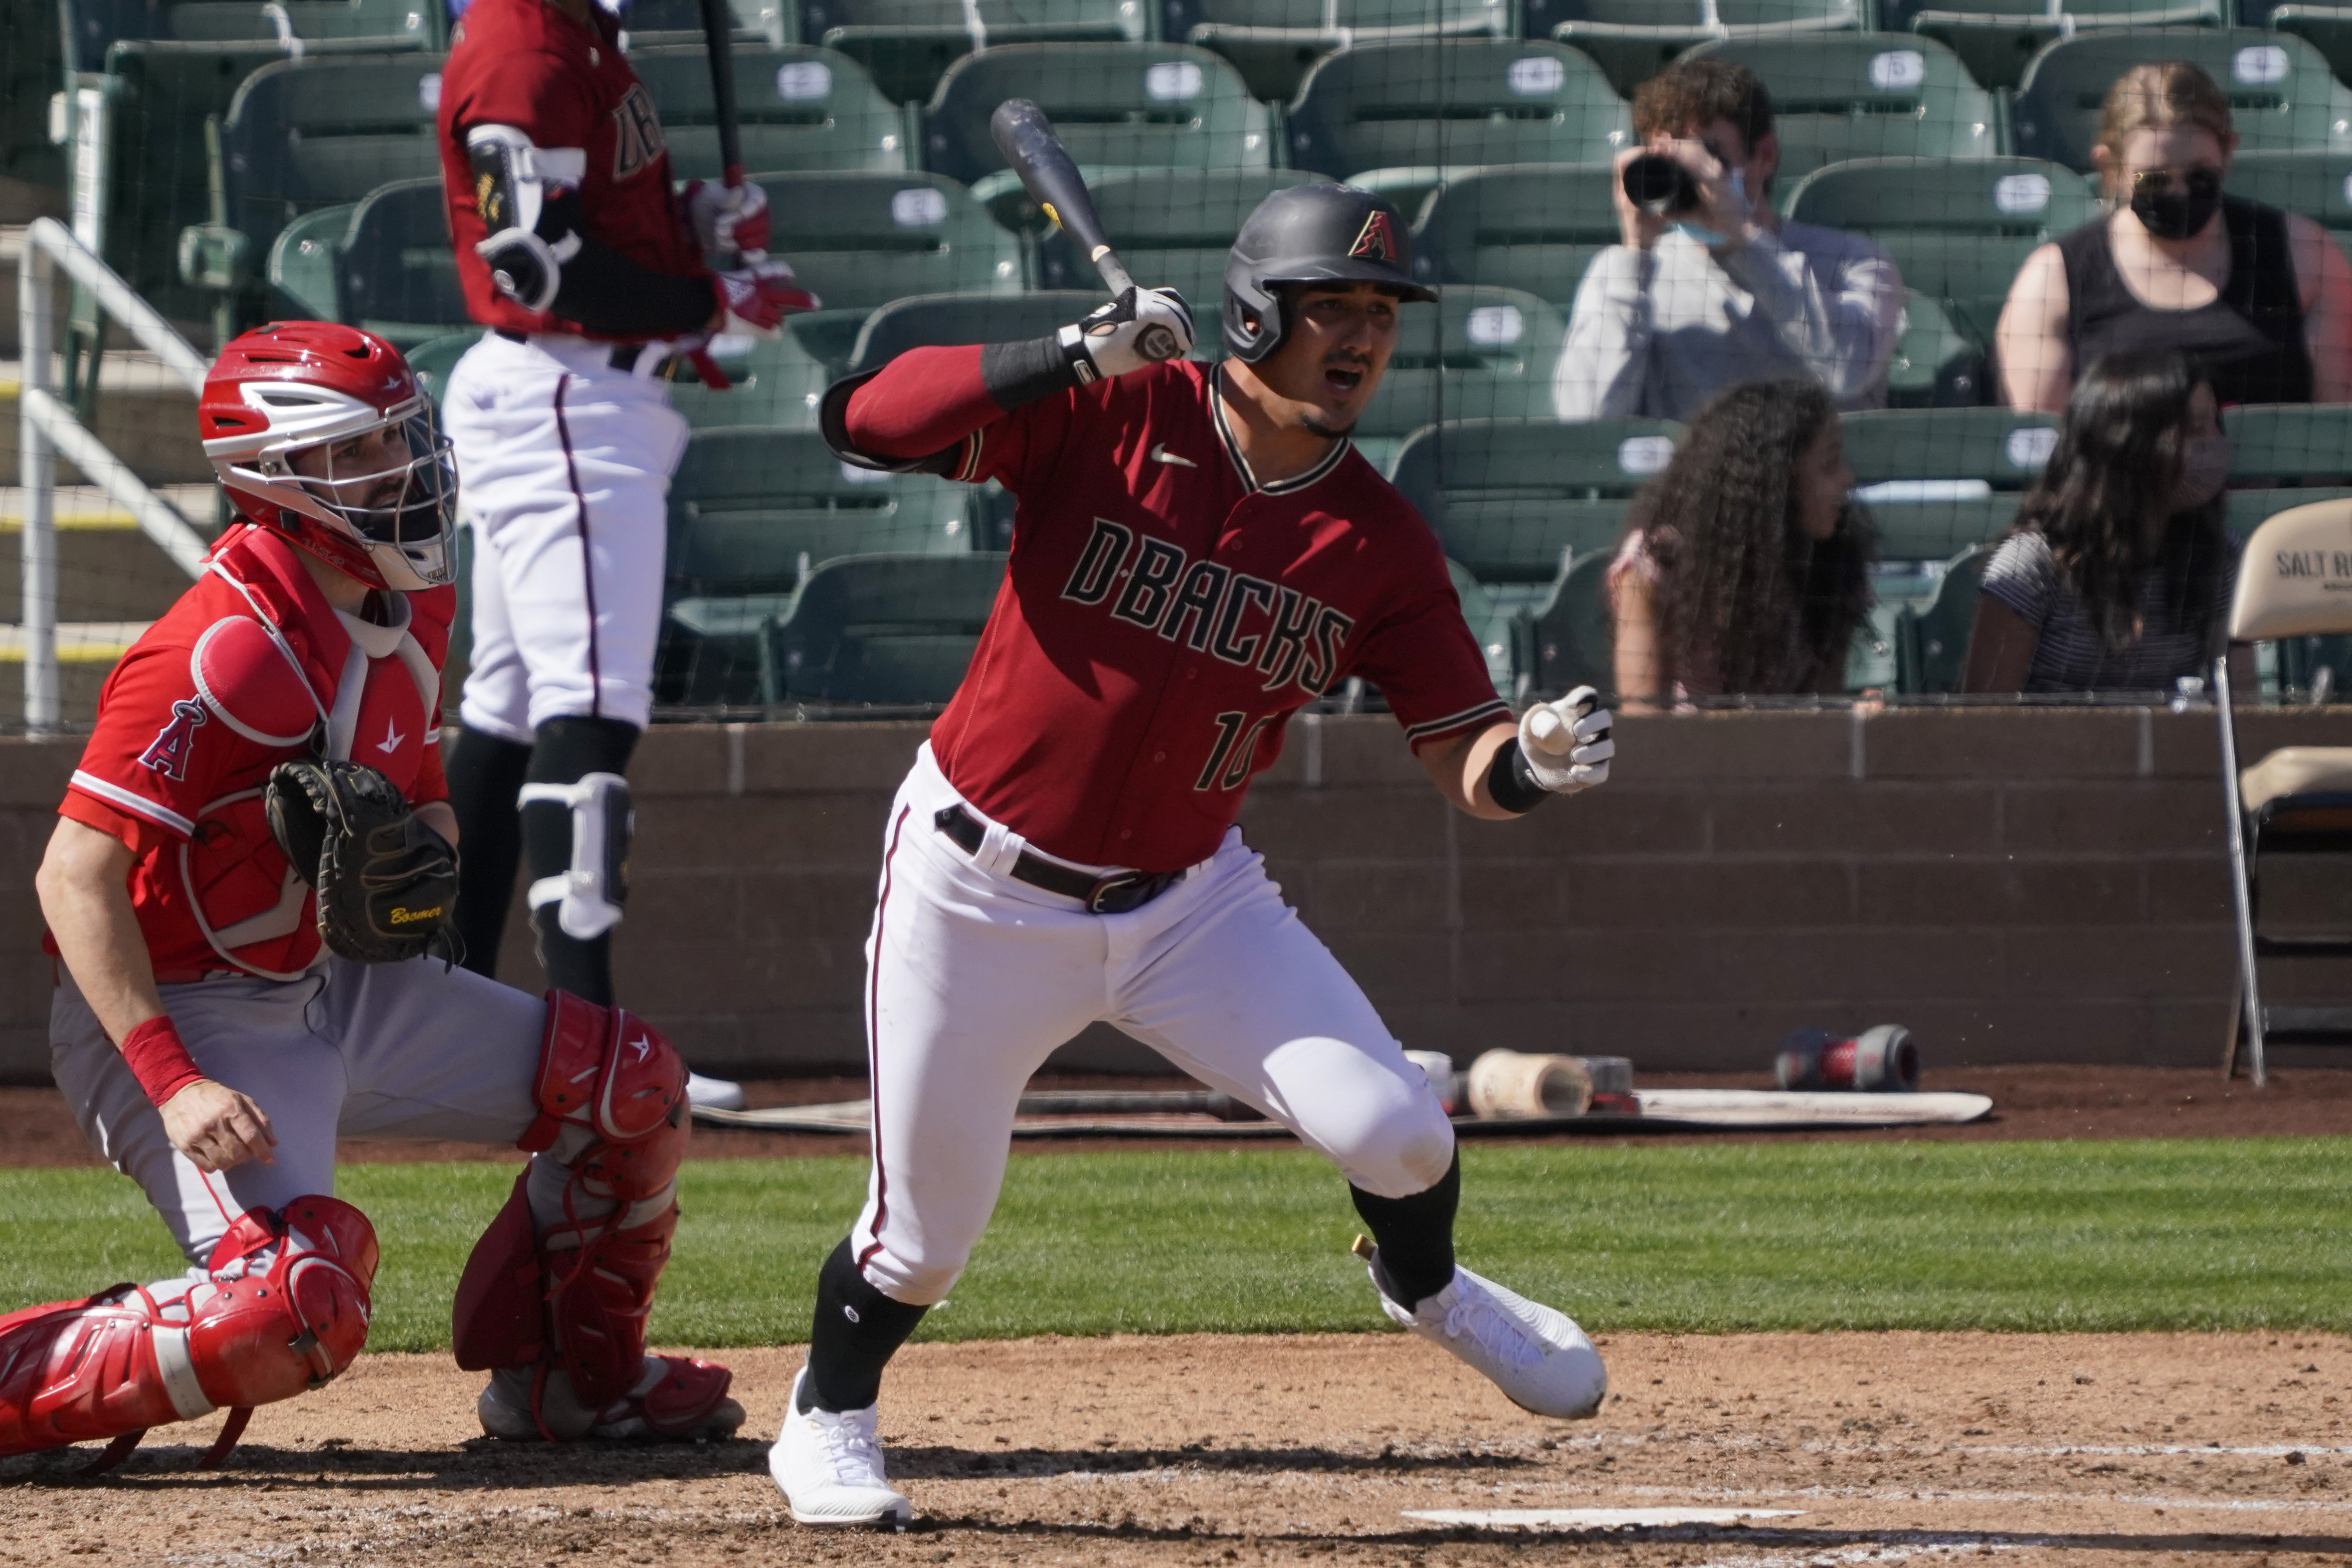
point(394, 489)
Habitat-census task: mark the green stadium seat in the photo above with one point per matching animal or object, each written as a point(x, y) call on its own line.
point(1633, 39)
point(948, 319)
point(1938, 480)
point(1837, 95)
point(434, 359)
point(2289, 443)
point(1454, 104)
point(2317, 184)
point(96, 25)
point(1996, 39)
point(2249, 508)
point(908, 44)
point(302, 263)
point(397, 273)
point(758, 24)
point(1514, 500)
point(776, 382)
point(1934, 365)
point(860, 241)
point(1572, 635)
point(1174, 226)
point(1931, 642)
point(1476, 354)
point(1159, 106)
point(1531, 227)
point(2327, 29)
point(1496, 628)
point(796, 108)
point(2281, 95)
point(1958, 229)
point(1273, 42)
point(884, 631)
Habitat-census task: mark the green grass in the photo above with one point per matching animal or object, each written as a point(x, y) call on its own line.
point(2236, 1234)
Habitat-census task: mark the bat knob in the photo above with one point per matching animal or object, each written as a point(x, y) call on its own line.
point(1157, 344)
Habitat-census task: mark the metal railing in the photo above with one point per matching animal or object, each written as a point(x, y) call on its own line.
point(50, 427)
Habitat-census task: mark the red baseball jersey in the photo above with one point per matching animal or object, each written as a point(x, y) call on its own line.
point(232, 681)
point(1166, 613)
point(563, 84)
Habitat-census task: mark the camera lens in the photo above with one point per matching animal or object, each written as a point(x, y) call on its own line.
point(1660, 186)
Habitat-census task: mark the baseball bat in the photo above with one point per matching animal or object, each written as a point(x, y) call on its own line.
point(719, 32)
point(1032, 151)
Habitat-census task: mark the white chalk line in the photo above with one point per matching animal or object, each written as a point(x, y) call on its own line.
point(1857, 1494)
point(1928, 1448)
point(1595, 1518)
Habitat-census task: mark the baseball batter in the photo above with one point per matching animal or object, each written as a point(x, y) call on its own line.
point(213, 1050)
point(592, 276)
point(1197, 554)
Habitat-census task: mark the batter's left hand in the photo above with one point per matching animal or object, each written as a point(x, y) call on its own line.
point(1567, 743)
point(758, 299)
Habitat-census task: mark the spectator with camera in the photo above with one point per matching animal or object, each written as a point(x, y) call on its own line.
point(1709, 288)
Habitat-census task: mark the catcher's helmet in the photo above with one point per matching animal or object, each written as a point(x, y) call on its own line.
point(292, 387)
point(1310, 234)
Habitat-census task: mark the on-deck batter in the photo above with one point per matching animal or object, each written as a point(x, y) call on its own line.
point(1197, 554)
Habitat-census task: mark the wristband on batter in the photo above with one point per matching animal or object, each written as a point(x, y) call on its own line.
point(1511, 783)
point(158, 1060)
point(1016, 373)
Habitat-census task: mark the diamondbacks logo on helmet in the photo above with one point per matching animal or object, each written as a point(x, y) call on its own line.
point(1377, 240)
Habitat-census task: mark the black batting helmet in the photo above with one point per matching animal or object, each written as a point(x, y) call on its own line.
point(1310, 234)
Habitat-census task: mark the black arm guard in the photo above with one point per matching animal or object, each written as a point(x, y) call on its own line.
point(1511, 782)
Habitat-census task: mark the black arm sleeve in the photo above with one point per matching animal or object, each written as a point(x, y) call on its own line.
point(1015, 374)
point(1512, 782)
point(606, 292)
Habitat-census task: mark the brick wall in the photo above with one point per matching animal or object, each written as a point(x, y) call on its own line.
point(2011, 885)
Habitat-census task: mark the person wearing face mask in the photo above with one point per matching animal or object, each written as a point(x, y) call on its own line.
point(1709, 288)
point(2262, 299)
point(2118, 572)
point(1746, 566)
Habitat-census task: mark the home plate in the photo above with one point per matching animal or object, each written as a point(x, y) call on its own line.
point(1595, 1518)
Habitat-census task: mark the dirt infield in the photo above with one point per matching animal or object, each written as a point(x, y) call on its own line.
point(2113, 1449)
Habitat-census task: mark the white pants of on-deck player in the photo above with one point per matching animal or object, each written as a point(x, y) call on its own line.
point(563, 466)
point(387, 1050)
point(973, 978)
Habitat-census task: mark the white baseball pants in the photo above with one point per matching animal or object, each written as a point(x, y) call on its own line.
point(972, 979)
point(563, 468)
point(388, 1050)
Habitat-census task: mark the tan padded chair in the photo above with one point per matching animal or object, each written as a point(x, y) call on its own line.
point(2294, 579)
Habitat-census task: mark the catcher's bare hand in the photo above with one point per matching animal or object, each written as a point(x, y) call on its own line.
point(217, 1128)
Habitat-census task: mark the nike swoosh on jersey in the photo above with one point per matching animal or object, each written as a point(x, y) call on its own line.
point(1160, 454)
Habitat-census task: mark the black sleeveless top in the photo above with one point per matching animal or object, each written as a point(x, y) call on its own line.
point(2249, 341)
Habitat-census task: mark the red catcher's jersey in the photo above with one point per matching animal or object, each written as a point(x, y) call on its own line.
point(1166, 613)
point(526, 64)
point(201, 709)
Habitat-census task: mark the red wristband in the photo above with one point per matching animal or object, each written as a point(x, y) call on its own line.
point(158, 1060)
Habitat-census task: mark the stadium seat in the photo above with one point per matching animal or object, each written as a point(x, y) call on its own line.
point(2317, 184)
point(1940, 479)
point(1160, 106)
point(1532, 226)
point(1453, 104)
point(1934, 365)
point(96, 25)
point(908, 44)
point(1931, 641)
point(798, 108)
point(2281, 95)
point(1572, 635)
point(1996, 39)
point(776, 383)
point(1478, 353)
point(301, 270)
point(1174, 228)
point(396, 273)
point(1496, 630)
point(1513, 500)
point(1959, 229)
point(1865, 95)
point(978, 319)
point(860, 241)
point(433, 360)
point(654, 23)
point(1633, 39)
point(885, 630)
point(2327, 29)
point(1273, 42)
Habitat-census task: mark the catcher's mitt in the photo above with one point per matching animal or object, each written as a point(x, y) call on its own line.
point(387, 884)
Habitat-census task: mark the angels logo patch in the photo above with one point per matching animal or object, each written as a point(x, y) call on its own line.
point(1377, 240)
point(167, 753)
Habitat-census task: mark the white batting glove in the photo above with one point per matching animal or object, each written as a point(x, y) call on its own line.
point(1142, 327)
point(729, 220)
point(1567, 743)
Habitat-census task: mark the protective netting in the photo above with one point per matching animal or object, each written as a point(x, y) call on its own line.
point(240, 161)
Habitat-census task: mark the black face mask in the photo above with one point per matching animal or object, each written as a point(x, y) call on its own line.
point(2170, 212)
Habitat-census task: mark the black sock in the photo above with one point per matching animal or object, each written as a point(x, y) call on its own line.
point(1416, 1238)
point(485, 775)
point(566, 750)
point(857, 1331)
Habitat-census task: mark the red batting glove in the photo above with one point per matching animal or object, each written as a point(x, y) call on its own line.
point(758, 299)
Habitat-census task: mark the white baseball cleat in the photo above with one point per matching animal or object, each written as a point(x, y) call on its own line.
point(829, 1467)
point(713, 1093)
point(1539, 1358)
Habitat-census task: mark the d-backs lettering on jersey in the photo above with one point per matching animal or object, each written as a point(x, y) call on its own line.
point(563, 83)
point(250, 668)
point(1165, 614)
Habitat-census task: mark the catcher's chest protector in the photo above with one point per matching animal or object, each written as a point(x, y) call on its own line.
point(285, 1308)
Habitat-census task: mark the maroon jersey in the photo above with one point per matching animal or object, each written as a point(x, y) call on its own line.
point(1166, 613)
point(232, 681)
point(563, 84)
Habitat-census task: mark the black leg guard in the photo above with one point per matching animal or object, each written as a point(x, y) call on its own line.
point(856, 1332)
point(485, 772)
point(567, 750)
point(1416, 1238)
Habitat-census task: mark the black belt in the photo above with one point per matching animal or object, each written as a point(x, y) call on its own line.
point(1116, 894)
point(623, 357)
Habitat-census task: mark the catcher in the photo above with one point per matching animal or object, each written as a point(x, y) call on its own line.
point(250, 894)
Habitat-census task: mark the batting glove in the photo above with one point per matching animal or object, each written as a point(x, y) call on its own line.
point(759, 297)
point(729, 220)
point(1567, 743)
point(1142, 327)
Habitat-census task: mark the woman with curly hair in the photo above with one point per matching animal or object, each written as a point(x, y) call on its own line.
point(2117, 575)
point(1746, 566)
